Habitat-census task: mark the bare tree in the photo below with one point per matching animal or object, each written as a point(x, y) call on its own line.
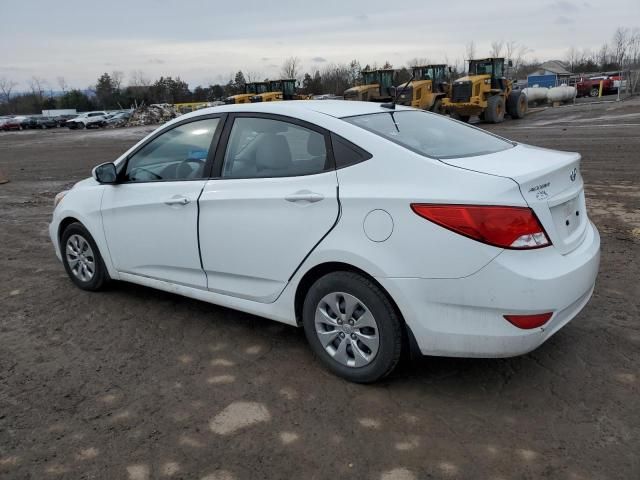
point(253, 76)
point(38, 85)
point(6, 86)
point(387, 65)
point(137, 78)
point(62, 83)
point(572, 58)
point(496, 48)
point(290, 68)
point(470, 50)
point(116, 79)
point(516, 52)
point(418, 61)
point(603, 55)
point(634, 47)
point(621, 41)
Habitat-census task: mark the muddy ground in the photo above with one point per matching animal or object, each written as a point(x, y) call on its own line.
point(137, 384)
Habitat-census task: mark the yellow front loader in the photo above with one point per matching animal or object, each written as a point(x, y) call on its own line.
point(278, 90)
point(427, 90)
point(250, 89)
point(485, 92)
point(376, 87)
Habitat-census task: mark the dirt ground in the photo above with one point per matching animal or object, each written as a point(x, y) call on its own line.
point(138, 384)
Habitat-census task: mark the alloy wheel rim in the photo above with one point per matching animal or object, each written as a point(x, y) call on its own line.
point(80, 258)
point(347, 330)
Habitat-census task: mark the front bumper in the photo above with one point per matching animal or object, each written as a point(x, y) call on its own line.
point(464, 317)
point(53, 234)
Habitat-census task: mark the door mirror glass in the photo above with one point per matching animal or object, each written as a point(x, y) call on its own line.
point(105, 173)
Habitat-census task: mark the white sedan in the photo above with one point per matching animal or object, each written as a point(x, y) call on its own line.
point(376, 229)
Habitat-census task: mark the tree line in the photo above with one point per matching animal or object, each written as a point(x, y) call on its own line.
point(109, 91)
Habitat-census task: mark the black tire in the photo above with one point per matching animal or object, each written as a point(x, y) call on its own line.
point(494, 113)
point(388, 325)
point(461, 118)
point(517, 105)
point(100, 275)
point(437, 106)
point(594, 92)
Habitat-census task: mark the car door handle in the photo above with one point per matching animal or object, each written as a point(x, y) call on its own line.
point(304, 196)
point(177, 200)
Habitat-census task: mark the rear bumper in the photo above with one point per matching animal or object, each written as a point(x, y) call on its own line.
point(464, 317)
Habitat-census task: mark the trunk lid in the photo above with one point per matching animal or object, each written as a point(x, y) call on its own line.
point(550, 182)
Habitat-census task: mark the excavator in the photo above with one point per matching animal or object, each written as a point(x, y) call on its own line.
point(278, 90)
point(427, 88)
point(376, 87)
point(250, 89)
point(486, 92)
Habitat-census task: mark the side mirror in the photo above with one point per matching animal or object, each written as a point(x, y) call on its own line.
point(105, 173)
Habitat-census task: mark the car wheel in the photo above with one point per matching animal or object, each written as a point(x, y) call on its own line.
point(82, 259)
point(595, 92)
point(352, 327)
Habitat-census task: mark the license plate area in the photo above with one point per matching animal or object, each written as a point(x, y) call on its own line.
point(569, 216)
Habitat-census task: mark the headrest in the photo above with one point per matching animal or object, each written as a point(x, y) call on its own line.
point(315, 145)
point(273, 153)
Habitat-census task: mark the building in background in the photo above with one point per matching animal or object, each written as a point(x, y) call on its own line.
point(59, 112)
point(550, 74)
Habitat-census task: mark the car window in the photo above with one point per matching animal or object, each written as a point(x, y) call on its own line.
point(430, 134)
point(178, 154)
point(346, 153)
point(263, 148)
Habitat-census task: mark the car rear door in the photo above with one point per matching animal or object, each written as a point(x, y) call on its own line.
point(150, 216)
point(273, 199)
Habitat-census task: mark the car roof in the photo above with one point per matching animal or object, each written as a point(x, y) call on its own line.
point(333, 108)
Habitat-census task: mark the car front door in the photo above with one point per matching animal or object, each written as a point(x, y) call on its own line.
point(274, 198)
point(150, 216)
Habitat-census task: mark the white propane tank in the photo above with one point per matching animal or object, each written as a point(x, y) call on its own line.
point(535, 94)
point(563, 93)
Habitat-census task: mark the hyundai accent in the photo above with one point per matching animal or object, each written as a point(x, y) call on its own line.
point(376, 229)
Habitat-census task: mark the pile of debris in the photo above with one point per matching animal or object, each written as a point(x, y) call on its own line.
point(152, 114)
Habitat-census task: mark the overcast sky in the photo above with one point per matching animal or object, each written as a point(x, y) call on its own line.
point(206, 41)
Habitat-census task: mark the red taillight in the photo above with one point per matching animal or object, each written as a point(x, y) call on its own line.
point(505, 227)
point(529, 321)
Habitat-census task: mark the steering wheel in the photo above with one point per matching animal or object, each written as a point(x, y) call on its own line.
point(133, 173)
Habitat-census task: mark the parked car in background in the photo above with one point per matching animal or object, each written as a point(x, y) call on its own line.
point(62, 119)
point(41, 122)
point(119, 118)
point(24, 122)
point(10, 124)
point(87, 120)
point(590, 86)
point(373, 228)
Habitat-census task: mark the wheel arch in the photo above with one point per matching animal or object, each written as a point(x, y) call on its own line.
point(64, 223)
point(318, 271)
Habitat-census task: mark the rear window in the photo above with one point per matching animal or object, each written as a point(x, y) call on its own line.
point(430, 134)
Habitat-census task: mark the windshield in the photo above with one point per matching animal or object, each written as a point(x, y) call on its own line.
point(429, 134)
